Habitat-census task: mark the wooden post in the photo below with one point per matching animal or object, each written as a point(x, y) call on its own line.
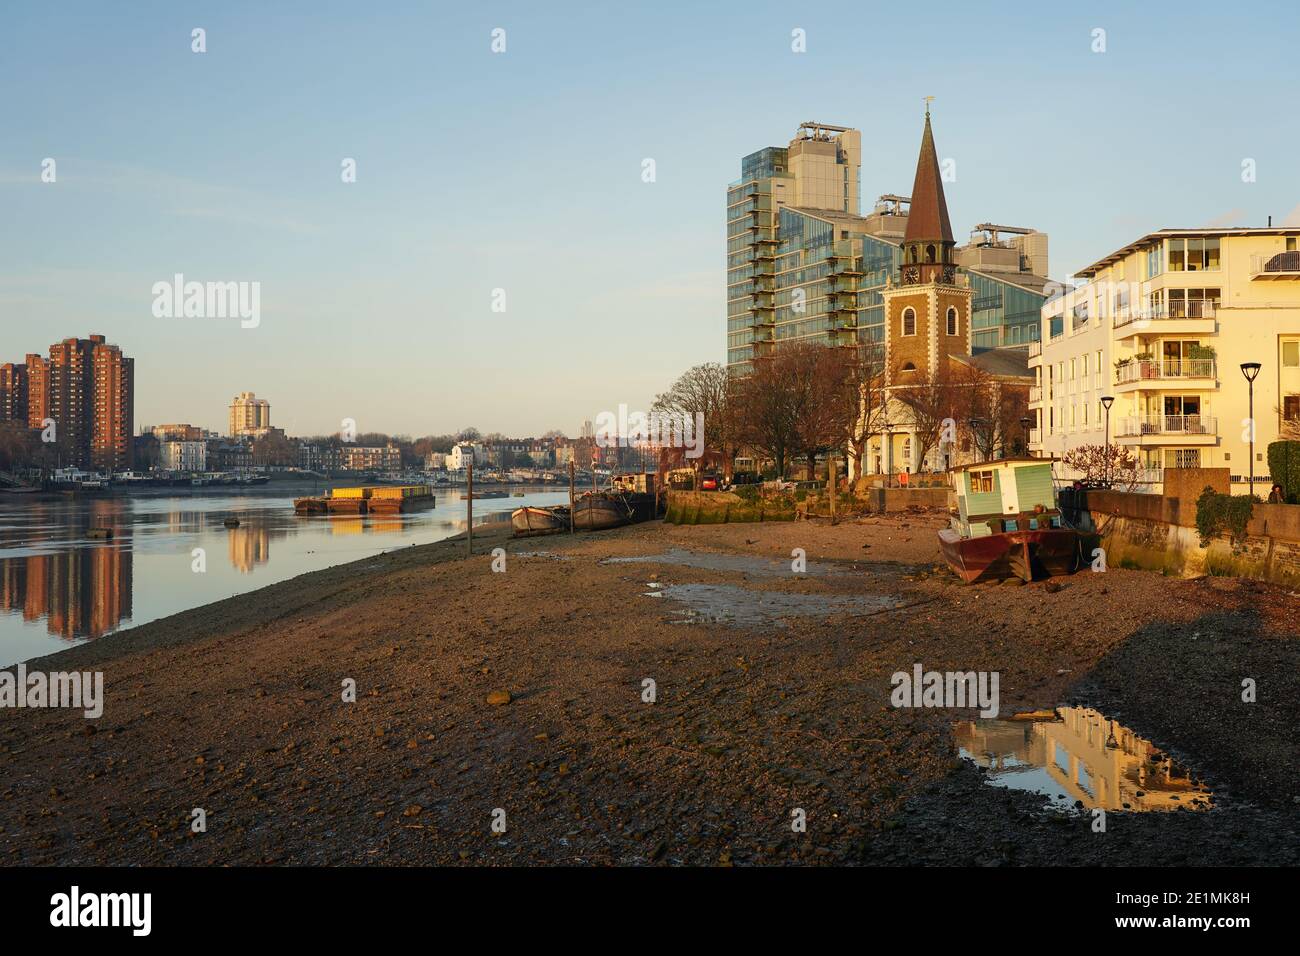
point(469, 507)
point(572, 465)
point(830, 483)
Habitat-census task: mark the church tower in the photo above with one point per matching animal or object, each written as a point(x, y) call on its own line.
point(927, 310)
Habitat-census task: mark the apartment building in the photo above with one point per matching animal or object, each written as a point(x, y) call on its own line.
point(13, 393)
point(249, 415)
point(86, 388)
point(1163, 327)
point(183, 455)
point(804, 265)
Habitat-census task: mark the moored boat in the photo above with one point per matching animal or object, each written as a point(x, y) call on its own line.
point(528, 520)
point(1007, 523)
point(596, 512)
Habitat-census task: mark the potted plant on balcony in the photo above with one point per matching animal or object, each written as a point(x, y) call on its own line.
point(1148, 368)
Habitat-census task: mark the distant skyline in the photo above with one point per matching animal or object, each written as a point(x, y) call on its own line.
point(521, 171)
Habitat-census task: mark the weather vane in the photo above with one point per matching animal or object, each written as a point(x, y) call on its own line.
point(927, 105)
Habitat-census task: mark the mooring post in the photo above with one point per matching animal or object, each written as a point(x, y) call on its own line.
point(572, 466)
point(469, 507)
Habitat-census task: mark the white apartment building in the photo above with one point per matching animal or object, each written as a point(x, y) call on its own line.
point(1163, 326)
point(249, 415)
point(183, 455)
point(465, 452)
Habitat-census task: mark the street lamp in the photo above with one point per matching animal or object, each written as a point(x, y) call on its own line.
point(1250, 370)
point(1106, 402)
point(975, 425)
point(1024, 432)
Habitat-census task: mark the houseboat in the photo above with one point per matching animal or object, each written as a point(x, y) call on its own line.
point(1007, 523)
point(368, 499)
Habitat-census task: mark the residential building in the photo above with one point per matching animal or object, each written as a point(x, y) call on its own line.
point(112, 423)
point(371, 458)
point(178, 432)
point(435, 461)
point(13, 393)
point(229, 456)
point(249, 415)
point(183, 455)
point(86, 388)
point(802, 264)
point(462, 453)
point(1163, 326)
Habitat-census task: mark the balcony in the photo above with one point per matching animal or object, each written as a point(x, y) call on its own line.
point(1174, 426)
point(1283, 265)
point(1035, 436)
point(1195, 317)
point(1035, 394)
point(1138, 373)
point(1035, 349)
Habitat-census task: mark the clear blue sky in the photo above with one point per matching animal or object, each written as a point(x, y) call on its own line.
point(522, 171)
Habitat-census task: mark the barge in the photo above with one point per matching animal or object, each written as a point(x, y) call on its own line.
point(368, 499)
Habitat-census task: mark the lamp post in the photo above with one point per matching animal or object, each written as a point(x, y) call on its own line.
point(1024, 432)
point(1251, 370)
point(975, 425)
point(1106, 402)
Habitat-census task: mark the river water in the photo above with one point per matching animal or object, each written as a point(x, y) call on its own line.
point(58, 586)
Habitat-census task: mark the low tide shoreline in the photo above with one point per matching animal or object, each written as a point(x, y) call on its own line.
point(237, 708)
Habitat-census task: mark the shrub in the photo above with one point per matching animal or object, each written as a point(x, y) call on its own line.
point(1284, 467)
point(1217, 514)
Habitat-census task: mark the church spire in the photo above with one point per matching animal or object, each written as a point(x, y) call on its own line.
point(928, 240)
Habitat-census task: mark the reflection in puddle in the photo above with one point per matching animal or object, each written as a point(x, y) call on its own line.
point(730, 604)
point(1080, 756)
point(728, 562)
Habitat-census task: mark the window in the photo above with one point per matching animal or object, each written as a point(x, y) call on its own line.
point(981, 482)
point(952, 321)
point(1291, 354)
point(909, 321)
point(1193, 255)
point(1155, 260)
point(1291, 407)
point(908, 367)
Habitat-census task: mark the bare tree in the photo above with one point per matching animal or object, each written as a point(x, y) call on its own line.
point(765, 413)
point(935, 401)
point(863, 399)
point(996, 406)
point(817, 383)
point(708, 391)
point(1105, 466)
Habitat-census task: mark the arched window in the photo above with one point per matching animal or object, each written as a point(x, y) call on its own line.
point(912, 254)
point(907, 453)
point(952, 321)
point(929, 253)
point(909, 321)
point(908, 367)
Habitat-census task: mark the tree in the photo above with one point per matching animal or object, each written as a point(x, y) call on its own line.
point(705, 392)
point(997, 406)
point(275, 449)
point(765, 415)
point(818, 384)
point(934, 402)
point(1104, 466)
point(18, 445)
point(862, 399)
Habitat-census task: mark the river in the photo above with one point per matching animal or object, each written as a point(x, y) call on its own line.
point(169, 553)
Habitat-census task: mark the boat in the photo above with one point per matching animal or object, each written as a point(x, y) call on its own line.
point(601, 510)
point(529, 520)
point(485, 494)
point(368, 499)
point(1007, 523)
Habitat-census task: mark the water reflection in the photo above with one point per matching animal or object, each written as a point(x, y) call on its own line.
point(59, 585)
point(1080, 756)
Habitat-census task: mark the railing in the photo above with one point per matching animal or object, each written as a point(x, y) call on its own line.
point(1281, 262)
point(1035, 348)
point(1035, 393)
point(1164, 368)
point(1035, 436)
point(1167, 425)
point(1190, 309)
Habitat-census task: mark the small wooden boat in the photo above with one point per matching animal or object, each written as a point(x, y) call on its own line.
point(596, 512)
point(1007, 523)
point(528, 521)
point(485, 494)
point(231, 522)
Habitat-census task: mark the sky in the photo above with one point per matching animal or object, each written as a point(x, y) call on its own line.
point(522, 171)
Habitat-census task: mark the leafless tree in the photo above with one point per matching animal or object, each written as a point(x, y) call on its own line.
point(1105, 466)
point(709, 391)
point(935, 401)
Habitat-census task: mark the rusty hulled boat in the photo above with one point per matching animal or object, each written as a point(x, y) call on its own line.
point(1007, 523)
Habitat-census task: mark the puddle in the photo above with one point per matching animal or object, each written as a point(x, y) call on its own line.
point(541, 554)
point(741, 607)
point(730, 562)
point(1080, 756)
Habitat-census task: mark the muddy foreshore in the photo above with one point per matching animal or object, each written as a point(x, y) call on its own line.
point(237, 708)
